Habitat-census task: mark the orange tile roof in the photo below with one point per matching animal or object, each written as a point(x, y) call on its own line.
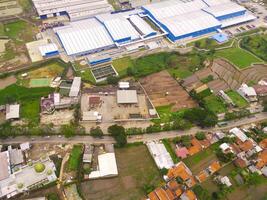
point(170, 194)
point(173, 185)
point(191, 195)
point(152, 196)
point(239, 162)
point(178, 171)
point(263, 143)
point(178, 192)
point(195, 148)
point(202, 176)
point(262, 159)
point(247, 145)
point(190, 182)
point(215, 166)
point(162, 195)
point(205, 143)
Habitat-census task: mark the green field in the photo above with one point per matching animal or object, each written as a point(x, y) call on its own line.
point(29, 98)
point(20, 31)
point(40, 82)
point(122, 64)
point(256, 44)
point(238, 57)
point(208, 43)
point(215, 104)
point(237, 99)
point(179, 73)
point(75, 158)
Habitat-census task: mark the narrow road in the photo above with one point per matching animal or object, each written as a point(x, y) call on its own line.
point(131, 139)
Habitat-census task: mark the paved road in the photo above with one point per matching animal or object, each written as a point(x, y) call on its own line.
point(140, 138)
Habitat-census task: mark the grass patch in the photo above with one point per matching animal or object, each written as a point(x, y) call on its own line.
point(169, 148)
point(207, 79)
point(208, 43)
point(215, 104)
point(202, 159)
point(86, 75)
point(179, 73)
point(75, 158)
point(256, 44)
point(238, 57)
point(20, 31)
point(237, 99)
point(164, 113)
point(122, 64)
point(25, 4)
point(2, 29)
point(29, 98)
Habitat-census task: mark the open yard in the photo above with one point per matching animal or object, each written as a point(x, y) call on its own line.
point(202, 159)
point(238, 100)
point(239, 57)
point(166, 91)
point(137, 171)
point(215, 104)
point(42, 75)
point(75, 158)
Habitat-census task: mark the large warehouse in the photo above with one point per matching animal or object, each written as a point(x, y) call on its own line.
point(177, 19)
point(74, 9)
point(102, 32)
point(188, 19)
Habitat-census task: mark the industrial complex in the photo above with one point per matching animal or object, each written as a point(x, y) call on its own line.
point(91, 32)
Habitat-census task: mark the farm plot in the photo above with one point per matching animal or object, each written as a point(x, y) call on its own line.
point(164, 90)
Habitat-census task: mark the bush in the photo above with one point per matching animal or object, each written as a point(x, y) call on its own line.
point(118, 132)
point(200, 136)
point(163, 171)
point(201, 193)
point(186, 140)
point(112, 80)
point(96, 132)
point(39, 167)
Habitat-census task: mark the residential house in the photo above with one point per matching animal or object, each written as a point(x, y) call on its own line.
point(247, 92)
point(188, 195)
point(239, 134)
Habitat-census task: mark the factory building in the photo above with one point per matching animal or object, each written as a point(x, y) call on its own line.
point(74, 9)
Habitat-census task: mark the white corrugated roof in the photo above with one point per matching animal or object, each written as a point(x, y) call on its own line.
point(190, 22)
point(75, 87)
point(12, 111)
point(141, 25)
point(127, 96)
point(107, 164)
point(171, 8)
point(83, 36)
point(239, 134)
point(237, 20)
point(118, 26)
point(215, 2)
point(48, 48)
point(224, 9)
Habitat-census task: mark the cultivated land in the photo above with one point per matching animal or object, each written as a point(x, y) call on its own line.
point(238, 100)
point(137, 170)
point(163, 90)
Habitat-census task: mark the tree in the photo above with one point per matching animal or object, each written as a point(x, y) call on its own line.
point(112, 80)
point(118, 132)
point(96, 132)
point(253, 179)
point(68, 130)
point(224, 157)
point(186, 140)
point(200, 136)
